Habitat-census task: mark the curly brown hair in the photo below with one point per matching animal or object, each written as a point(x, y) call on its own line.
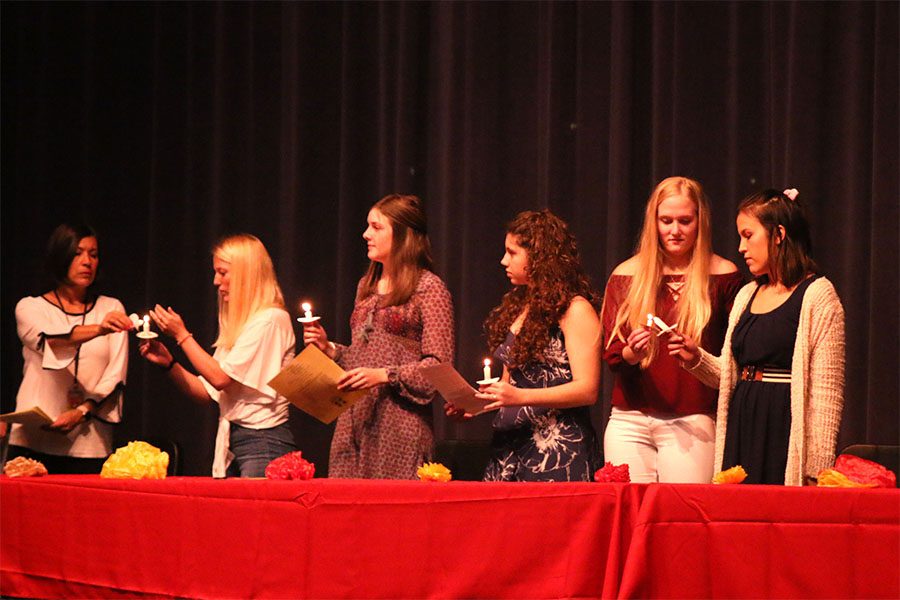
point(555, 277)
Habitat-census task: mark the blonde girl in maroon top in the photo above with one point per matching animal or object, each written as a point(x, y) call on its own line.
point(662, 422)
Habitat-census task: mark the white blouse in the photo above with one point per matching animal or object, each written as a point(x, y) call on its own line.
point(265, 345)
point(48, 375)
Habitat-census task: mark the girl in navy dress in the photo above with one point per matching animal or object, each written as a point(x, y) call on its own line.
point(546, 333)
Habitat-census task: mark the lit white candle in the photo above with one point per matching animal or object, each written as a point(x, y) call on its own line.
point(487, 369)
point(307, 310)
point(649, 320)
point(146, 323)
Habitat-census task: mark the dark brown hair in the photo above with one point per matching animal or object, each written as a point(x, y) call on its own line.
point(62, 248)
point(789, 257)
point(555, 277)
point(410, 249)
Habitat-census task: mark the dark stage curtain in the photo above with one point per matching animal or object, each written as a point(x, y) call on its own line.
point(167, 125)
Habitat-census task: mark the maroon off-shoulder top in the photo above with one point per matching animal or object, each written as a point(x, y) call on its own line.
point(664, 388)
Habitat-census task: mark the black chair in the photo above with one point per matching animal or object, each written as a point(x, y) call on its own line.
point(174, 452)
point(884, 455)
point(466, 459)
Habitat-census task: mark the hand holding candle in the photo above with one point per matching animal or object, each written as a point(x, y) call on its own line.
point(145, 333)
point(661, 325)
point(307, 317)
point(487, 379)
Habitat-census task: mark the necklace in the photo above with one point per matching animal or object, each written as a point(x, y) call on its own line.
point(675, 288)
point(75, 394)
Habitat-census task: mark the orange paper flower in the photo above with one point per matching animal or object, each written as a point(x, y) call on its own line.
point(24, 467)
point(733, 475)
point(834, 478)
point(433, 472)
point(137, 460)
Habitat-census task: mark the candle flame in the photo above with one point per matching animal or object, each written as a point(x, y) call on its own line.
point(306, 306)
point(487, 362)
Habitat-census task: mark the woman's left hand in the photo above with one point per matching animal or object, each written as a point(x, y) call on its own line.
point(362, 378)
point(499, 394)
point(67, 421)
point(169, 322)
point(683, 347)
point(455, 413)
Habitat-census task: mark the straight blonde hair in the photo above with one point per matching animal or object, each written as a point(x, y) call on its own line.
point(694, 307)
point(253, 285)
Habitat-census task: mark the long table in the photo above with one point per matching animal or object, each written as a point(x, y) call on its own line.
point(83, 536)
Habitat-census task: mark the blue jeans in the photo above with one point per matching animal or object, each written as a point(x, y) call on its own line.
point(254, 449)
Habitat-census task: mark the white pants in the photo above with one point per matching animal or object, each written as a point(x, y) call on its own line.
point(661, 449)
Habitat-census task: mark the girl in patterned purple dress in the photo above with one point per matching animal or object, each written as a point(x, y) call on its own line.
point(546, 332)
point(402, 320)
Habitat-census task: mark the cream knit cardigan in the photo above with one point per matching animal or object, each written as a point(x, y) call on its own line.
point(817, 380)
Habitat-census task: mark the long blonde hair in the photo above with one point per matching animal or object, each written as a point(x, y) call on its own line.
point(694, 303)
point(253, 285)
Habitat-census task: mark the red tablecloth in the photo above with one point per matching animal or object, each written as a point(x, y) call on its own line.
point(198, 537)
point(753, 541)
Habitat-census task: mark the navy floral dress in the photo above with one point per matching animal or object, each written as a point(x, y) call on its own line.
point(532, 443)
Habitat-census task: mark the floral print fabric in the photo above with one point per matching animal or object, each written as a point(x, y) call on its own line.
point(388, 434)
point(534, 443)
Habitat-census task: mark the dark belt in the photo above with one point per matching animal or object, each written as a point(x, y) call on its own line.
point(767, 374)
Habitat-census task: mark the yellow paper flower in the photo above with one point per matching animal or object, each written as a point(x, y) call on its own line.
point(834, 478)
point(433, 472)
point(137, 460)
point(733, 475)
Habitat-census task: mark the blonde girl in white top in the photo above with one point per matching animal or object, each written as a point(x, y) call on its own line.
point(256, 339)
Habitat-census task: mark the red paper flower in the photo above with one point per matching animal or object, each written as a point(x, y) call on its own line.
point(861, 470)
point(610, 473)
point(290, 466)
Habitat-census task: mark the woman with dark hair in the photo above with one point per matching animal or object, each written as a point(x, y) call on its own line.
point(662, 423)
point(402, 320)
point(781, 373)
point(75, 347)
point(546, 333)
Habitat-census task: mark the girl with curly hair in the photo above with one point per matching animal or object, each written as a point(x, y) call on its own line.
point(546, 333)
point(663, 423)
